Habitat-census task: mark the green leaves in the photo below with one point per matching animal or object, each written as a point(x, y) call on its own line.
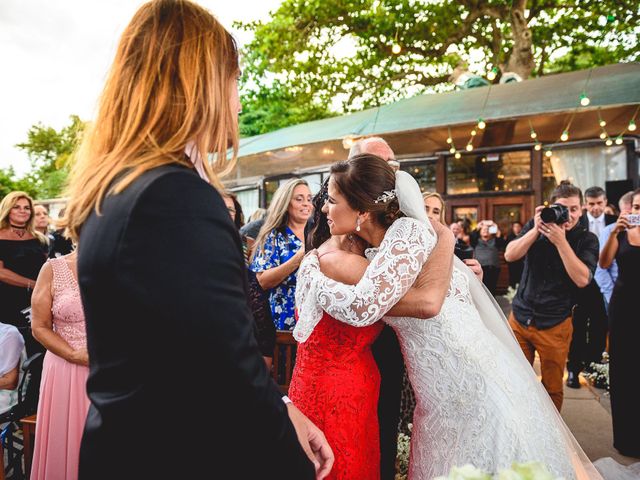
point(50, 152)
point(321, 57)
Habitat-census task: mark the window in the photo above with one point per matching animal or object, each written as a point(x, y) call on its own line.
point(492, 172)
point(585, 167)
point(315, 182)
point(249, 200)
point(425, 175)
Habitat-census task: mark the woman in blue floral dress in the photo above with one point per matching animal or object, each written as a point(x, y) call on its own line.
point(280, 249)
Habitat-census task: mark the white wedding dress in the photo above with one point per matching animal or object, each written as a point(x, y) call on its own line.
point(476, 401)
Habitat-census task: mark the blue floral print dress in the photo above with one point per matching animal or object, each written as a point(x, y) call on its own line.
point(278, 248)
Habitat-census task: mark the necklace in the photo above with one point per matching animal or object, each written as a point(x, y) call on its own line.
point(19, 231)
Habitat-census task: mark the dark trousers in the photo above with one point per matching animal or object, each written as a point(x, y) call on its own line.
point(590, 326)
point(386, 351)
point(490, 277)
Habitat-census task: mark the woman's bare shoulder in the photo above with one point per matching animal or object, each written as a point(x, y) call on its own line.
point(342, 266)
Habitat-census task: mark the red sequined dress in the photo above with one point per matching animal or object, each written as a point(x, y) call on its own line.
point(336, 384)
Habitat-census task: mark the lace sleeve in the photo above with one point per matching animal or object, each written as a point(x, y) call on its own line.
point(404, 250)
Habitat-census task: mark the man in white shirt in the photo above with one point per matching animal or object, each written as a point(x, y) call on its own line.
point(589, 315)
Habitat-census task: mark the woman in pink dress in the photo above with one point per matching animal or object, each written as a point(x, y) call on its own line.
point(57, 322)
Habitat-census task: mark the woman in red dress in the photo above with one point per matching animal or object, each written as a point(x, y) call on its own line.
point(336, 380)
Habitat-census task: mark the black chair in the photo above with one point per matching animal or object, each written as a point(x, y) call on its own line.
point(28, 394)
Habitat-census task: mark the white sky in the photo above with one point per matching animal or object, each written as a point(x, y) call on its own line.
point(54, 56)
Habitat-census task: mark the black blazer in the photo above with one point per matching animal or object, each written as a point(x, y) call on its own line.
point(177, 384)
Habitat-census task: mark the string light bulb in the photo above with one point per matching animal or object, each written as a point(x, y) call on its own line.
point(534, 135)
point(481, 124)
point(396, 49)
point(449, 140)
point(491, 75)
point(565, 136)
point(632, 126)
point(603, 123)
point(469, 147)
point(548, 153)
point(609, 142)
point(603, 135)
point(619, 141)
point(537, 146)
point(457, 155)
point(473, 132)
point(584, 100)
point(452, 150)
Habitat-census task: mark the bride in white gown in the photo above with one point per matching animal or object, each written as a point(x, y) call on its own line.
point(478, 400)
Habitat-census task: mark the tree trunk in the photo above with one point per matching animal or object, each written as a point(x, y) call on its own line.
point(521, 58)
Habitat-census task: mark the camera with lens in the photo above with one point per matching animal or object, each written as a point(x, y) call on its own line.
point(555, 213)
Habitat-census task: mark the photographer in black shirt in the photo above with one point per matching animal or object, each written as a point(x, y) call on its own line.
point(560, 257)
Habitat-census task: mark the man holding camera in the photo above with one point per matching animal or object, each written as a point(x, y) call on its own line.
point(560, 257)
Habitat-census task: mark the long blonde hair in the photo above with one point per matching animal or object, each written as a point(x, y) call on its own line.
point(8, 203)
point(277, 213)
point(170, 83)
point(426, 195)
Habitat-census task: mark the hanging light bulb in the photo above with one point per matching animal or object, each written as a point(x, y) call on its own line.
point(452, 150)
point(609, 142)
point(632, 126)
point(491, 75)
point(603, 123)
point(548, 153)
point(449, 140)
point(565, 136)
point(534, 135)
point(469, 147)
point(473, 132)
point(457, 155)
point(396, 49)
point(584, 100)
point(481, 124)
point(537, 146)
point(619, 141)
point(603, 135)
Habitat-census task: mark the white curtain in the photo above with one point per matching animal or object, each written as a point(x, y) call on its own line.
point(590, 166)
point(250, 201)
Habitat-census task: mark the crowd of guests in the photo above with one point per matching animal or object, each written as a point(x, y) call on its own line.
point(38, 268)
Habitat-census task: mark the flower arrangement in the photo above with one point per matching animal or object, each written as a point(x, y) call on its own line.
point(402, 458)
point(518, 471)
point(599, 374)
point(511, 292)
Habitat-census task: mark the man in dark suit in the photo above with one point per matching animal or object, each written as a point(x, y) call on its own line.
point(171, 343)
point(589, 315)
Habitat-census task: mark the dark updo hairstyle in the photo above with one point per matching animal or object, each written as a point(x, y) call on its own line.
point(320, 232)
point(361, 180)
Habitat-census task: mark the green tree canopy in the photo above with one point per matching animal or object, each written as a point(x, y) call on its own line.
point(324, 56)
point(50, 151)
point(10, 183)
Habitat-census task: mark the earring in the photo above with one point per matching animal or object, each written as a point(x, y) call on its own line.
point(358, 224)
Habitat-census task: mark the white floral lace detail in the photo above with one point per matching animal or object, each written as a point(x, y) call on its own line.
point(402, 253)
point(474, 400)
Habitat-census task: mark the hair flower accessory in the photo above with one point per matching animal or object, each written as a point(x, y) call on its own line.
point(386, 196)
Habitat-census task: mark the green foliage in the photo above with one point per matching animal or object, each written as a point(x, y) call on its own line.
point(9, 183)
point(269, 109)
point(319, 56)
point(50, 152)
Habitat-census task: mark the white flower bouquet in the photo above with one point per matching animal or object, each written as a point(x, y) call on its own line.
point(518, 471)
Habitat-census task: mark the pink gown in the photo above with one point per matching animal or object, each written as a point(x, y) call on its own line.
point(63, 405)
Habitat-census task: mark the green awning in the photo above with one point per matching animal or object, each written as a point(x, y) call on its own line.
point(609, 86)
